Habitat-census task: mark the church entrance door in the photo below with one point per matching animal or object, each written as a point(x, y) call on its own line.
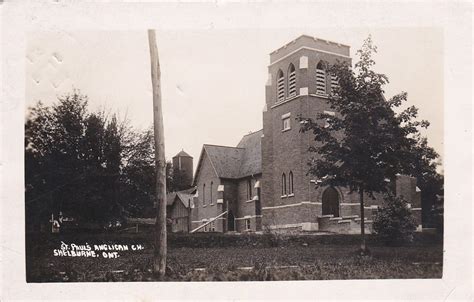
point(230, 222)
point(331, 202)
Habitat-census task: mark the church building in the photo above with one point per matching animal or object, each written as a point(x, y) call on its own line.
point(262, 183)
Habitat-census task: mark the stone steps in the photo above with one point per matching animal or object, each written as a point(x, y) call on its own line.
point(345, 221)
point(344, 225)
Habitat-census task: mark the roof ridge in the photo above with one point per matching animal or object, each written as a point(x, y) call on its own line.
point(311, 37)
point(223, 146)
point(253, 132)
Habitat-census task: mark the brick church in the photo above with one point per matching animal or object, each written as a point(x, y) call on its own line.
point(262, 183)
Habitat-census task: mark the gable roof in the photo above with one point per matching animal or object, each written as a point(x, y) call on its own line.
point(182, 153)
point(225, 160)
point(252, 158)
point(186, 199)
point(235, 162)
point(184, 196)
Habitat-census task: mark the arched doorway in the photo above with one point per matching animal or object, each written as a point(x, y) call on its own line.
point(331, 202)
point(230, 222)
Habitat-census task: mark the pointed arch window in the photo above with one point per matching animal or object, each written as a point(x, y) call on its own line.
point(204, 194)
point(291, 81)
point(290, 183)
point(283, 184)
point(321, 78)
point(280, 86)
point(210, 193)
point(249, 189)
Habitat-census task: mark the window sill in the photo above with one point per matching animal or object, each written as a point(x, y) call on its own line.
point(286, 100)
point(287, 129)
point(284, 196)
point(320, 95)
point(204, 206)
point(291, 195)
point(250, 200)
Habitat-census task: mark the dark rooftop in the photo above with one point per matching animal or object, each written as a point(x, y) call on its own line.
point(237, 162)
point(182, 154)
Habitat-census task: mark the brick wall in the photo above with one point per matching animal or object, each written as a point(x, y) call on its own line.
point(285, 151)
point(307, 41)
point(288, 215)
point(203, 207)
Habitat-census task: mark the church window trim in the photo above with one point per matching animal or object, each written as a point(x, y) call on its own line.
point(291, 81)
point(283, 185)
point(286, 122)
point(291, 191)
point(247, 224)
point(249, 189)
point(280, 86)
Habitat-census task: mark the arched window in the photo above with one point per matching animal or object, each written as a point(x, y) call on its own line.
point(204, 194)
point(321, 78)
point(291, 81)
point(249, 189)
point(280, 86)
point(290, 183)
point(283, 184)
point(211, 191)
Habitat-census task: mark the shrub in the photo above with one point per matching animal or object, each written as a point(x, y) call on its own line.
point(394, 223)
point(273, 238)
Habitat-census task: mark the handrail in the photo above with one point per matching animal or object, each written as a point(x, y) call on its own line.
point(212, 220)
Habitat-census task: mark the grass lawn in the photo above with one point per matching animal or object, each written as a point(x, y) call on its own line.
point(215, 257)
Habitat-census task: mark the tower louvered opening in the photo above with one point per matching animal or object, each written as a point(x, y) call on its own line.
point(320, 79)
point(291, 81)
point(334, 83)
point(280, 86)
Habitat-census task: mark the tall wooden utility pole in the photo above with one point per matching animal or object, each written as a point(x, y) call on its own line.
point(159, 255)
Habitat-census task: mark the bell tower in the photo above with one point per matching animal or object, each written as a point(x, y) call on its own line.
point(298, 85)
point(183, 169)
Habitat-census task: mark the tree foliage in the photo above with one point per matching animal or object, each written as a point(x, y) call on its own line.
point(394, 223)
point(370, 139)
point(91, 166)
point(366, 141)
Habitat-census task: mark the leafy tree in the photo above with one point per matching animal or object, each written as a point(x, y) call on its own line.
point(39, 130)
point(139, 176)
point(73, 161)
point(53, 155)
point(429, 180)
point(366, 142)
point(394, 223)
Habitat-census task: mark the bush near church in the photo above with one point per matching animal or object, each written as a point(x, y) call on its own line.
point(394, 223)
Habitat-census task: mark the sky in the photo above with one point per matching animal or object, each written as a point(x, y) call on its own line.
point(213, 81)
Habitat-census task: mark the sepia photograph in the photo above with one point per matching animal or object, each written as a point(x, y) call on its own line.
point(236, 151)
point(167, 156)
